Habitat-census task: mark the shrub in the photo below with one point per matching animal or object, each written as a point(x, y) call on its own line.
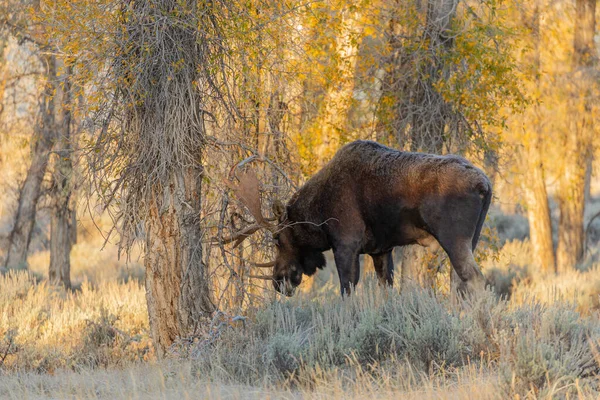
point(300, 340)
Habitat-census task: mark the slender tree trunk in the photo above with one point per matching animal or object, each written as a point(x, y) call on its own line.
point(391, 120)
point(589, 167)
point(43, 140)
point(419, 266)
point(176, 283)
point(61, 237)
point(538, 211)
point(491, 164)
point(571, 201)
point(571, 196)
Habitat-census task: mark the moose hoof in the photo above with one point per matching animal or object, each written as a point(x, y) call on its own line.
point(471, 287)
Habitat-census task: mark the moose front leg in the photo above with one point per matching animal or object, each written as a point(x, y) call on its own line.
point(348, 267)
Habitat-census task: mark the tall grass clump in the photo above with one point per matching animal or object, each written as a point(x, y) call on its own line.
point(529, 348)
point(49, 328)
point(548, 350)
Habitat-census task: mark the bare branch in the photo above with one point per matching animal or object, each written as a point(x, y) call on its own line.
point(239, 236)
point(269, 264)
point(263, 277)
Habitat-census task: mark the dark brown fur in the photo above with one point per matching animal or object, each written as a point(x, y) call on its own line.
point(370, 198)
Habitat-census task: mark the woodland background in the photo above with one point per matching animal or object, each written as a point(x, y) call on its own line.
point(130, 269)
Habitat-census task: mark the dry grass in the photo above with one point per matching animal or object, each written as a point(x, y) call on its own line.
point(179, 381)
point(43, 328)
point(93, 343)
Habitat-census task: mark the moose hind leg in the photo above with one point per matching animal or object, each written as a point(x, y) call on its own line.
point(384, 268)
point(453, 222)
point(461, 256)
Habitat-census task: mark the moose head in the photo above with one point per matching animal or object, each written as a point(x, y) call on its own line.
point(292, 261)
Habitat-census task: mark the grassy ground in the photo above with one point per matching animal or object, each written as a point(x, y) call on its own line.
point(93, 343)
point(539, 339)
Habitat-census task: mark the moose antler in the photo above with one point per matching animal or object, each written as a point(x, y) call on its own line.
point(248, 192)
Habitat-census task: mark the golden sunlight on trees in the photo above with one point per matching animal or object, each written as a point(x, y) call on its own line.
point(578, 144)
point(169, 133)
point(536, 196)
point(51, 133)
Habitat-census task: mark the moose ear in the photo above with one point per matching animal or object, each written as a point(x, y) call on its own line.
point(279, 210)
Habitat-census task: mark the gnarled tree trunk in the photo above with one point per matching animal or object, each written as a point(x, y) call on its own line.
point(425, 111)
point(177, 289)
point(164, 135)
point(42, 143)
point(429, 119)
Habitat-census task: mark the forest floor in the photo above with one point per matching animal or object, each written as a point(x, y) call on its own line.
point(541, 339)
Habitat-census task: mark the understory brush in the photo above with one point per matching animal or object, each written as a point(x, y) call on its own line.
point(49, 328)
point(541, 339)
point(531, 348)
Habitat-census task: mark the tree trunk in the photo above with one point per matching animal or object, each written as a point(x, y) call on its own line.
point(491, 164)
point(391, 119)
point(177, 289)
point(428, 112)
point(165, 129)
point(538, 211)
point(419, 266)
point(62, 211)
point(43, 140)
point(60, 249)
point(571, 196)
point(571, 202)
point(429, 119)
point(333, 121)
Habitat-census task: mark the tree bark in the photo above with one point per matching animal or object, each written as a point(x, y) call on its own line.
point(419, 266)
point(411, 112)
point(62, 211)
point(177, 288)
point(538, 211)
point(392, 114)
point(169, 186)
point(42, 142)
point(571, 196)
point(429, 119)
point(333, 121)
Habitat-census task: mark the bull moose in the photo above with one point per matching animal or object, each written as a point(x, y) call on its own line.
point(370, 198)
